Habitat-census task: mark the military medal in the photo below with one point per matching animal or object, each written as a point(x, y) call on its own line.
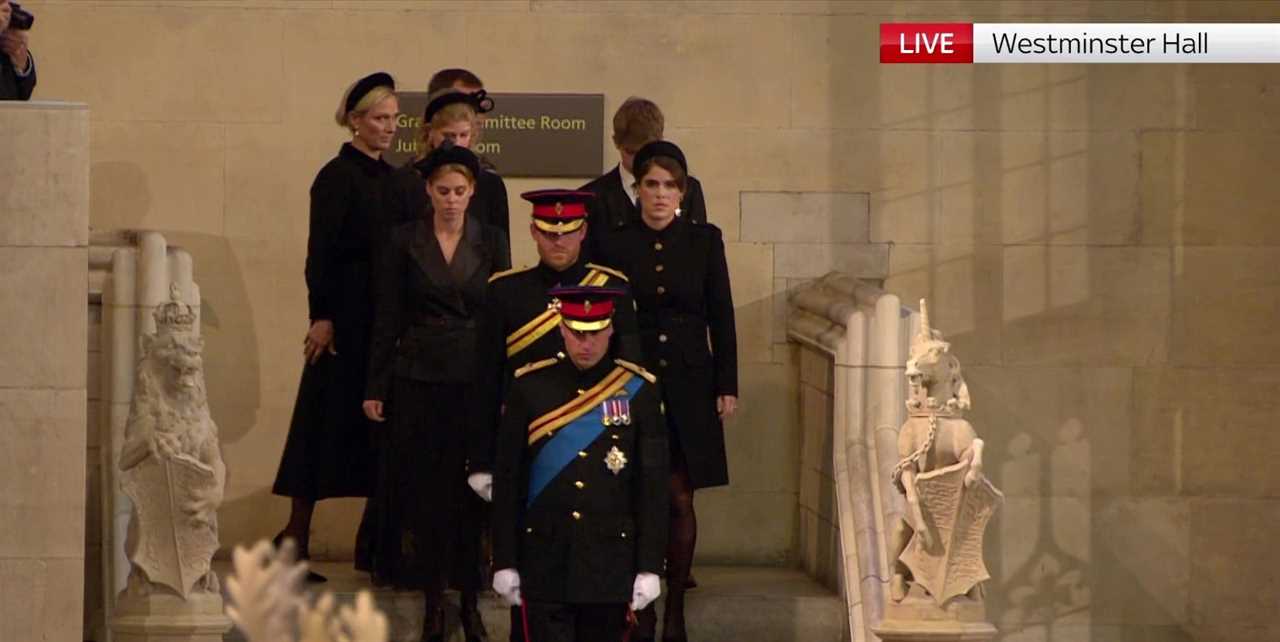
point(615, 461)
point(615, 412)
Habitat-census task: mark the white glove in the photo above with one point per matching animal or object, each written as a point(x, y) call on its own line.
point(482, 483)
point(507, 584)
point(646, 589)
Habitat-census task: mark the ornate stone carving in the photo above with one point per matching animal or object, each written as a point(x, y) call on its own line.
point(171, 463)
point(936, 553)
point(268, 602)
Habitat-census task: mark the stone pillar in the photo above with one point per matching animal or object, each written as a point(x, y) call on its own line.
point(140, 276)
point(44, 238)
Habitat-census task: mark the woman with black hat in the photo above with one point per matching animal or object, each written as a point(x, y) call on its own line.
point(424, 381)
point(454, 116)
point(327, 453)
point(680, 281)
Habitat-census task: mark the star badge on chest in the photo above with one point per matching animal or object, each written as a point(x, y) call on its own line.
point(615, 461)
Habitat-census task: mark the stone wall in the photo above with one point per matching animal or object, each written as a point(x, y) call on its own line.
point(44, 234)
point(1092, 240)
point(818, 544)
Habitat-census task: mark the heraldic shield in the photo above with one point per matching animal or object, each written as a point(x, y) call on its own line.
point(170, 544)
point(958, 517)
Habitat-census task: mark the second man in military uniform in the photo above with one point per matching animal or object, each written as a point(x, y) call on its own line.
point(580, 488)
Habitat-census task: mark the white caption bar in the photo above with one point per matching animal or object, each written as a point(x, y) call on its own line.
point(1126, 43)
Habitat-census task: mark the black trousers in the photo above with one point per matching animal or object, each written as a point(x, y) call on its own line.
point(556, 622)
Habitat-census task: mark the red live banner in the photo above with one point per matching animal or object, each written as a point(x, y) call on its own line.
point(931, 42)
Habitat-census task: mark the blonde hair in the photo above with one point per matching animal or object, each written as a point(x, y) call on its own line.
point(375, 96)
point(448, 115)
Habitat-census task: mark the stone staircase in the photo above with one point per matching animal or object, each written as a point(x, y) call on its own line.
point(731, 604)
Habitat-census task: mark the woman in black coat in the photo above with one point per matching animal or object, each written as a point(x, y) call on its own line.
point(327, 453)
point(424, 382)
point(454, 116)
point(680, 281)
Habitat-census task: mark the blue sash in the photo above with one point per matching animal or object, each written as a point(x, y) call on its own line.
point(565, 444)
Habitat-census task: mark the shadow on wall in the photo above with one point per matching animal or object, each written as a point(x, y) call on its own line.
point(232, 362)
point(120, 195)
point(1027, 236)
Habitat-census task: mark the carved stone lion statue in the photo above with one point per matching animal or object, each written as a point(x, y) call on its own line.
point(171, 461)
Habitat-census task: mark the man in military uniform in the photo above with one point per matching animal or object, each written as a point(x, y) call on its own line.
point(580, 488)
point(519, 325)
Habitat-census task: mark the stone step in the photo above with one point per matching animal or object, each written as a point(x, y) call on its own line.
point(731, 604)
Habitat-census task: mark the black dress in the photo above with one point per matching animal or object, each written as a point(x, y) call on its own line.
point(423, 364)
point(328, 452)
point(680, 281)
point(612, 208)
point(488, 204)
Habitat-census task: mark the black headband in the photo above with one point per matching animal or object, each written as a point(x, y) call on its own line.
point(366, 85)
point(479, 101)
point(655, 149)
point(448, 153)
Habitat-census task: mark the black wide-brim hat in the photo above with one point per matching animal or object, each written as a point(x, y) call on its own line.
point(447, 154)
point(659, 148)
point(479, 101)
point(366, 85)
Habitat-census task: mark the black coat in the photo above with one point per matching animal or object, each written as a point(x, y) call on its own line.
point(612, 208)
point(488, 204)
point(680, 280)
point(12, 86)
point(590, 531)
point(327, 453)
point(423, 363)
point(429, 312)
point(515, 299)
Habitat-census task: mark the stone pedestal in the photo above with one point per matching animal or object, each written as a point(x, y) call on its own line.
point(917, 618)
point(162, 617)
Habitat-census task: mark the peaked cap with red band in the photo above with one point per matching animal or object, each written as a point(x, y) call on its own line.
point(585, 308)
point(558, 211)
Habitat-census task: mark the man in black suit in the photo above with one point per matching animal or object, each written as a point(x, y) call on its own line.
point(17, 66)
point(580, 491)
point(637, 123)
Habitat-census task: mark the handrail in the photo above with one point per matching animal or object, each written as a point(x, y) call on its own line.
point(862, 329)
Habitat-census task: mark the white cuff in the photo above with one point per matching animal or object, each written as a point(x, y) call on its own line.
point(31, 66)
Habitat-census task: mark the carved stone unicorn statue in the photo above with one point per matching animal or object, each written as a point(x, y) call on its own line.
point(937, 545)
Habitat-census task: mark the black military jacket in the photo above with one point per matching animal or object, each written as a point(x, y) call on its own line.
point(427, 317)
point(515, 299)
point(612, 208)
point(680, 280)
point(591, 530)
